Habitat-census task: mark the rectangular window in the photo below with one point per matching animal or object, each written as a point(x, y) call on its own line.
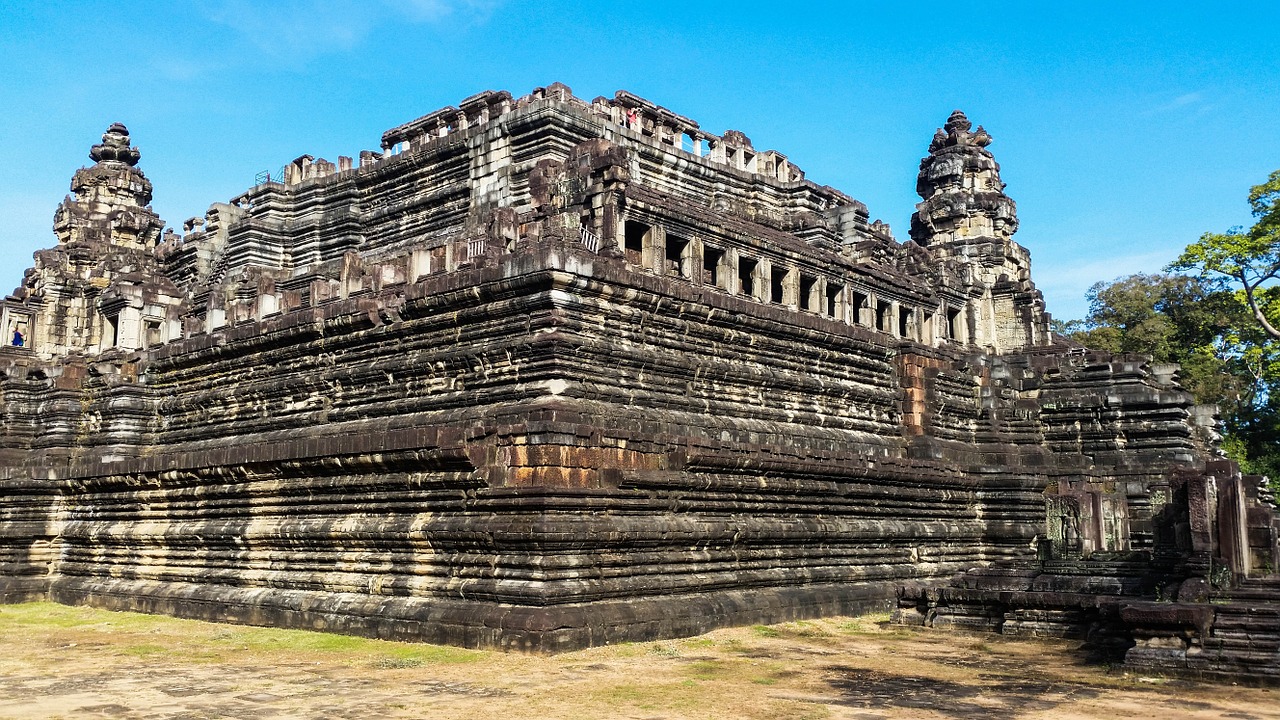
point(808, 293)
point(677, 257)
point(712, 259)
point(859, 301)
point(633, 241)
point(835, 298)
point(152, 330)
point(777, 283)
point(746, 276)
point(953, 323)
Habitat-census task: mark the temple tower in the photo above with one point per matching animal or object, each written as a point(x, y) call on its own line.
point(102, 286)
point(111, 206)
point(966, 218)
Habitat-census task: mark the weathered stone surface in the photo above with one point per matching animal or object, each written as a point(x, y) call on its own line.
point(1194, 602)
point(546, 373)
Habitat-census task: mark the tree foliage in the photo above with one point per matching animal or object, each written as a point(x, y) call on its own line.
point(1247, 261)
point(1218, 316)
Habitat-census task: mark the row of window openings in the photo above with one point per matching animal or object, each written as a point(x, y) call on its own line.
point(151, 334)
point(677, 263)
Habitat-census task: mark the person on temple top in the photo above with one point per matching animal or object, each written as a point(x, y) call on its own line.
point(17, 338)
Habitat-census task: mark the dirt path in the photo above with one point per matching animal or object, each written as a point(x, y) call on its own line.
point(60, 662)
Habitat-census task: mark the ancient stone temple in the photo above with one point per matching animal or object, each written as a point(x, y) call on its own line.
point(544, 373)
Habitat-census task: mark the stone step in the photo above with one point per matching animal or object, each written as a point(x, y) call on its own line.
point(1234, 621)
point(1270, 612)
point(1242, 643)
point(1268, 634)
point(1240, 661)
point(1267, 585)
point(1246, 594)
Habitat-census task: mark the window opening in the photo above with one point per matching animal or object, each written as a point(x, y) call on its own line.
point(633, 242)
point(808, 288)
point(19, 335)
point(746, 276)
point(111, 331)
point(834, 295)
point(677, 261)
point(152, 328)
point(712, 258)
point(777, 283)
point(859, 302)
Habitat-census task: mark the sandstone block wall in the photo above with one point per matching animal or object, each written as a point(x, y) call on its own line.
point(547, 373)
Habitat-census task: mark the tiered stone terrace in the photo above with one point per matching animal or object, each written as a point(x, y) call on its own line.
point(545, 373)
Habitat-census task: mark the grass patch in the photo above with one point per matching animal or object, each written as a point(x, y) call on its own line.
point(395, 663)
point(432, 654)
point(870, 624)
point(50, 615)
point(146, 650)
point(805, 629)
point(709, 669)
point(204, 642)
point(767, 631)
point(308, 642)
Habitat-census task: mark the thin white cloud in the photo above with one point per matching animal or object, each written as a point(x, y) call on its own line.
point(296, 31)
point(437, 10)
point(1187, 104)
point(180, 69)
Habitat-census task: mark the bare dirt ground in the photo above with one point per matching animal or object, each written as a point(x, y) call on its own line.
point(62, 662)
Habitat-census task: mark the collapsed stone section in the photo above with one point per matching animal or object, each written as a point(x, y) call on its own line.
point(1202, 598)
point(542, 374)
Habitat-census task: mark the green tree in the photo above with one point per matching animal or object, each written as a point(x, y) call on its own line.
point(1245, 266)
point(1247, 261)
point(1172, 318)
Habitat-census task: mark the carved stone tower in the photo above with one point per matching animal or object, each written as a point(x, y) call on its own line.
point(102, 286)
point(111, 203)
point(965, 217)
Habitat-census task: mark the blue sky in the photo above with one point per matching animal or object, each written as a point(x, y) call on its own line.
point(1124, 130)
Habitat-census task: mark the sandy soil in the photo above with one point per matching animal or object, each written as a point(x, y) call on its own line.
point(59, 662)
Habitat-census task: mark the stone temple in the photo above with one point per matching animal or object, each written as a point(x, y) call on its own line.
point(544, 373)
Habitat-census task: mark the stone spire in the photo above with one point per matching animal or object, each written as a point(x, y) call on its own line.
point(965, 217)
point(959, 183)
point(111, 202)
point(115, 147)
point(102, 286)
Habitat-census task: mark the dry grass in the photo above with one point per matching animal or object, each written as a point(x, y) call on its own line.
point(63, 662)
